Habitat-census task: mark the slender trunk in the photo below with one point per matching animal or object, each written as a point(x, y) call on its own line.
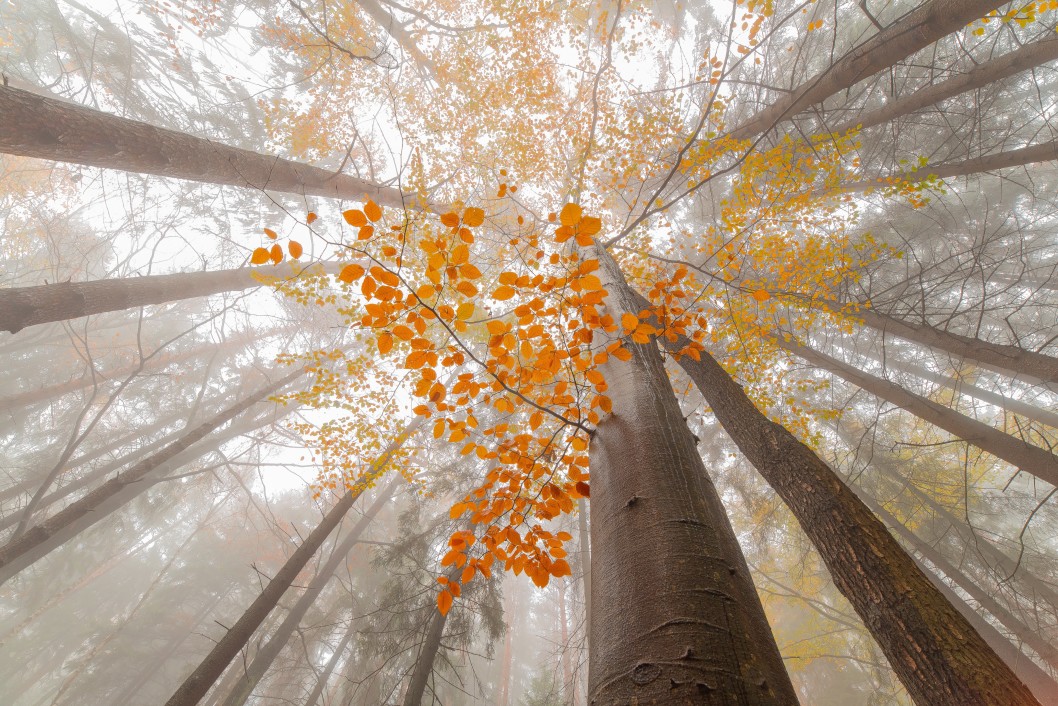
point(431, 643)
point(1047, 651)
point(29, 306)
point(916, 30)
point(511, 614)
point(1026, 57)
point(938, 656)
point(213, 665)
point(36, 126)
point(1026, 457)
point(1033, 154)
point(40, 539)
point(584, 538)
point(328, 669)
point(994, 398)
point(271, 649)
point(568, 688)
point(675, 616)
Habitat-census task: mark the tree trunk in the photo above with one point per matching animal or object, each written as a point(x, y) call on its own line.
point(36, 126)
point(29, 306)
point(213, 665)
point(321, 683)
point(916, 30)
point(938, 656)
point(584, 539)
point(40, 539)
point(568, 687)
point(675, 616)
point(271, 649)
point(1008, 404)
point(1026, 457)
point(510, 613)
point(1022, 59)
point(431, 643)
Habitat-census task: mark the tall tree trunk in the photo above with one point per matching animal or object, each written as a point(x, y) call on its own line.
point(916, 30)
point(675, 616)
point(213, 665)
point(568, 687)
point(36, 126)
point(29, 306)
point(1009, 404)
point(40, 539)
point(1022, 59)
point(510, 613)
point(271, 649)
point(938, 656)
point(1026, 457)
point(584, 552)
point(431, 643)
point(317, 691)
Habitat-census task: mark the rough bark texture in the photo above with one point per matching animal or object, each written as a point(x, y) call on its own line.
point(36, 126)
point(1025, 456)
point(275, 644)
point(38, 540)
point(213, 665)
point(675, 616)
point(28, 306)
point(934, 651)
point(917, 30)
point(1010, 64)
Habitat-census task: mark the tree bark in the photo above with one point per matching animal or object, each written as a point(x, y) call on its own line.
point(328, 669)
point(916, 30)
point(40, 539)
point(675, 616)
point(431, 643)
point(213, 665)
point(1026, 457)
point(1022, 59)
point(29, 306)
point(937, 655)
point(46, 128)
point(271, 649)
point(584, 538)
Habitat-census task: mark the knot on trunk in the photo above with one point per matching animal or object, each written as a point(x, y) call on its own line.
point(645, 673)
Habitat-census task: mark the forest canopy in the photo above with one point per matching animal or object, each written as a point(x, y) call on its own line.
point(528, 353)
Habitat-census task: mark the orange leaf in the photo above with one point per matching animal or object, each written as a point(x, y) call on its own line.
point(629, 322)
point(450, 219)
point(355, 217)
point(761, 295)
point(503, 293)
point(351, 273)
point(259, 256)
point(589, 225)
point(311, 218)
point(372, 211)
point(385, 342)
point(468, 573)
point(570, 215)
point(276, 254)
point(270, 233)
point(473, 217)
point(444, 602)
point(584, 489)
point(365, 232)
point(295, 249)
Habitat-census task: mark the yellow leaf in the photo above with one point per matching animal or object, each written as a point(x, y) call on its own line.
point(473, 217)
point(570, 215)
point(259, 256)
point(465, 311)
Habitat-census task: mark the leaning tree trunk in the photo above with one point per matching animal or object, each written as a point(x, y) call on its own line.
point(45, 536)
point(271, 649)
point(28, 306)
point(675, 617)
point(1026, 457)
point(321, 683)
point(213, 665)
point(937, 655)
point(37, 126)
point(1020, 60)
point(916, 30)
point(431, 643)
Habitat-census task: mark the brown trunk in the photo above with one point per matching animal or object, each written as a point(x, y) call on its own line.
point(29, 306)
point(916, 30)
point(213, 665)
point(35, 126)
point(1027, 57)
point(584, 553)
point(431, 643)
point(271, 649)
point(40, 539)
point(1026, 457)
point(936, 654)
point(675, 617)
